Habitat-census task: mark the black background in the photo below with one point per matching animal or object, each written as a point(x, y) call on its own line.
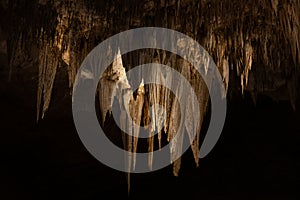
point(257, 156)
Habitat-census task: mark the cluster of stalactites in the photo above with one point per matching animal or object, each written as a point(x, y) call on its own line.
point(259, 43)
point(68, 48)
point(157, 109)
point(263, 33)
point(254, 42)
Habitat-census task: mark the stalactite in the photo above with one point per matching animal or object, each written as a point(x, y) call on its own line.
point(136, 113)
point(108, 82)
point(124, 95)
point(176, 127)
point(48, 64)
point(248, 64)
point(42, 59)
point(190, 121)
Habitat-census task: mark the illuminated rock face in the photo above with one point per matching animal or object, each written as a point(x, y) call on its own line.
point(256, 46)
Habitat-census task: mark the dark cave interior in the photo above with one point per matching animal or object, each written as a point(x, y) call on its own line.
point(257, 155)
